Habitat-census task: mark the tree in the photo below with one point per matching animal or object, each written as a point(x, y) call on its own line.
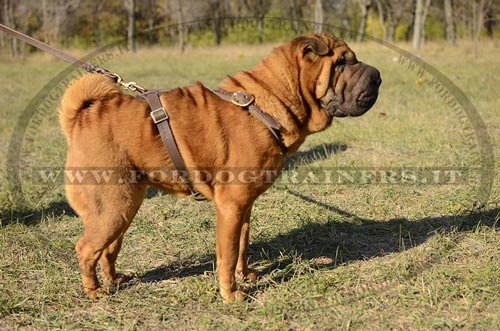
point(8, 10)
point(318, 16)
point(424, 17)
point(16, 15)
point(295, 16)
point(180, 25)
point(489, 21)
point(149, 7)
point(418, 25)
point(96, 7)
point(130, 6)
point(364, 5)
point(479, 10)
point(381, 17)
point(217, 10)
point(394, 11)
point(55, 15)
point(450, 22)
point(173, 12)
point(421, 11)
point(259, 9)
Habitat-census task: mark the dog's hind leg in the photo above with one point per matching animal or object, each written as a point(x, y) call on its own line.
point(107, 212)
point(107, 262)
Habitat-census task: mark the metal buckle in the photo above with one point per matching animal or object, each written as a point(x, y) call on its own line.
point(159, 115)
point(242, 98)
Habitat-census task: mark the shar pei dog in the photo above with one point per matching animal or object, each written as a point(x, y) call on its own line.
point(302, 85)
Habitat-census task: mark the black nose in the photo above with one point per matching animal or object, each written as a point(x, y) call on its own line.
point(375, 76)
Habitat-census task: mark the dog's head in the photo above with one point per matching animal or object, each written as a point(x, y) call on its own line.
point(332, 77)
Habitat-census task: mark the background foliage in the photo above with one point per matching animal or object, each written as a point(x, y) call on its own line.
point(91, 23)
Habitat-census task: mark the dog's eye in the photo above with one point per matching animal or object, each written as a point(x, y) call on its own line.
point(341, 60)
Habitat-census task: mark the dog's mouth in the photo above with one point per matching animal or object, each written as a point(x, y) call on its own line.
point(354, 92)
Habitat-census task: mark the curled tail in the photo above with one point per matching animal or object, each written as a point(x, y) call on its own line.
point(81, 94)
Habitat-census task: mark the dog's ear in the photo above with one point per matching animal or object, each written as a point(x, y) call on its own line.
point(313, 45)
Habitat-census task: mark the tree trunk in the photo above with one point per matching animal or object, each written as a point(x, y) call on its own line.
point(424, 18)
point(391, 32)
point(489, 23)
point(217, 28)
point(260, 29)
point(2, 42)
point(382, 20)
point(131, 25)
point(45, 18)
point(477, 23)
point(450, 24)
point(9, 20)
point(295, 22)
point(411, 26)
point(239, 5)
point(417, 26)
point(180, 25)
point(96, 8)
point(364, 5)
point(151, 21)
point(216, 16)
point(318, 16)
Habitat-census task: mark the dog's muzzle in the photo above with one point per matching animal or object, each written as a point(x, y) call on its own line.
point(354, 90)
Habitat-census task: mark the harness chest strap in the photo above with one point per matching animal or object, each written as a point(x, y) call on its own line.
point(160, 118)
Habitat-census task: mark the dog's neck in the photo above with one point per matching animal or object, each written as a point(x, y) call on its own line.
point(282, 100)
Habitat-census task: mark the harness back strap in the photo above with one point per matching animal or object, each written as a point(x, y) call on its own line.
point(160, 119)
point(247, 101)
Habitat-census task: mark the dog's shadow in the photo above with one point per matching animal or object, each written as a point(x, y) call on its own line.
point(331, 243)
point(32, 216)
point(317, 153)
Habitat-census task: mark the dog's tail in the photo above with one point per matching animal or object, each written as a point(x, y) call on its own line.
point(81, 95)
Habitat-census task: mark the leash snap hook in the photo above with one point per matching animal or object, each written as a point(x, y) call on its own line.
point(133, 86)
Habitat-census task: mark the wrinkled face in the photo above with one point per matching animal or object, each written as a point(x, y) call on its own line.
point(339, 83)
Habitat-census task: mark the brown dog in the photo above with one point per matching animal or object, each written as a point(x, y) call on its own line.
point(302, 84)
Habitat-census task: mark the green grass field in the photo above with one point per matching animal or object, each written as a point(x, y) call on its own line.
point(414, 256)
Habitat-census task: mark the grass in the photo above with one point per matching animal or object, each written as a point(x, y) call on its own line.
point(349, 257)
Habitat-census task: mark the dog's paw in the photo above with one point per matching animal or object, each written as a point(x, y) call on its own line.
point(237, 296)
point(249, 274)
point(97, 293)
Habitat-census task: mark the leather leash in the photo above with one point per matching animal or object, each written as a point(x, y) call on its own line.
point(89, 67)
point(158, 112)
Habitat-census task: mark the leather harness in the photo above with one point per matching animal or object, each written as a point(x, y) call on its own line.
point(158, 112)
point(161, 119)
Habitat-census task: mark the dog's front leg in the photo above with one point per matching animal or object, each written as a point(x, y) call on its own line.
point(242, 270)
point(230, 219)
